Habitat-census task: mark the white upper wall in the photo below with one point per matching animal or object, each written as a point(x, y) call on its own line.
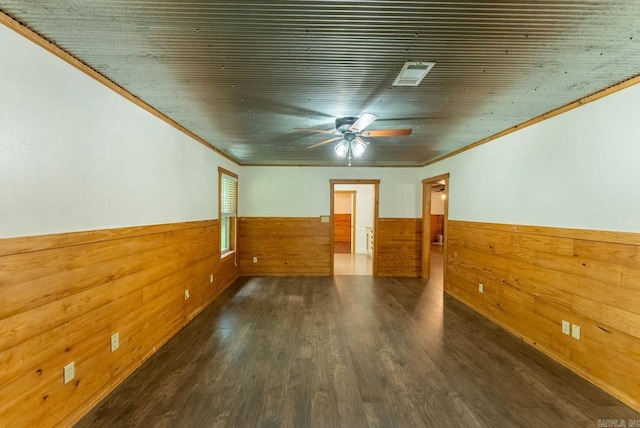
point(342, 203)
point(437, 203)
point(75, 155)
point(580, 169)
point(305, 191)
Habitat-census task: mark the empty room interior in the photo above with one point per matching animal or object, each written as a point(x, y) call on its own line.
point(319, 213)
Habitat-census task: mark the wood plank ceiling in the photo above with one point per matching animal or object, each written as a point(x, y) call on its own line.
point(243, 74)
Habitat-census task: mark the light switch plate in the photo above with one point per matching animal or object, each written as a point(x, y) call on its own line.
point(566, 327)
point(575, 331)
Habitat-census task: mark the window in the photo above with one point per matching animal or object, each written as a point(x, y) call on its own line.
point(228, 207)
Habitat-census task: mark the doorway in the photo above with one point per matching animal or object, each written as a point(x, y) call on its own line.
point(435, 212)
point(344, 221)
point(354, 216)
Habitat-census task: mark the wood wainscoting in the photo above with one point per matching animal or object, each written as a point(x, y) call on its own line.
point(399, 246)
point(342, 233)
point(536, 277)
point(437, 227)
point(284, 246)
point(62, 297)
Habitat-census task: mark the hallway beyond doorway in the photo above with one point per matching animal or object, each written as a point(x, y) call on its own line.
point(352, 264)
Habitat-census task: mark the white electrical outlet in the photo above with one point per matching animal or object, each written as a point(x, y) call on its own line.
point(566, 327)
point(255, 260)
point(481, 287)
point(575, 331)
point(211, 279)
point(186, 294)
point(69, 372)
point(115, 341)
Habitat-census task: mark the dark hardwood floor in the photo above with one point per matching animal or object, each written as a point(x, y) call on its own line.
point(349, 351)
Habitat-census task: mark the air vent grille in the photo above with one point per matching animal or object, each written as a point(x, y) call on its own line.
point(412, 73)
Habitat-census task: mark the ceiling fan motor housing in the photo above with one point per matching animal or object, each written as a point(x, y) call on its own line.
point(349, 136)
point(344, 123)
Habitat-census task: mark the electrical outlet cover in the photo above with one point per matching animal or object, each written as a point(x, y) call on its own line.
point(115, 341)
point(566, 327)
point(481, 287)
point(69, 372)
point(211, 279)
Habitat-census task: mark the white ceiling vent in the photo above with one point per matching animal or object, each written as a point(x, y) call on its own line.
point(412, 73)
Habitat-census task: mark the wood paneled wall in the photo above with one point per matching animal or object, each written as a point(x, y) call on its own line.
point(437, 226)
point(63, 296)
point(399, 246)
point(342, 227)
point(535, 277)
point(299, 246)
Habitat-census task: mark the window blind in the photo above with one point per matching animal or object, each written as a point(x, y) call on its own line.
point(229, 194)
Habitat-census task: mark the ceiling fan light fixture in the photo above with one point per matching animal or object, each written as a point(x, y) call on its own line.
point(350, 131)
point(358, 148)
point(342, 148)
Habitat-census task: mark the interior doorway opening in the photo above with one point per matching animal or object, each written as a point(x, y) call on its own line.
point(344, 220)
point(435, 212)
point(354, 214)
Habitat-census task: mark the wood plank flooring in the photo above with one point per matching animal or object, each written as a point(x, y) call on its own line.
point(349, 351)
point(352, 264)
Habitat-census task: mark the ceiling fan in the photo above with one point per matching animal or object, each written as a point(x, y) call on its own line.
point(351, 130)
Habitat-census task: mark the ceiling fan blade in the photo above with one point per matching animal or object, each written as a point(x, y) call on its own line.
point(363, 121)
point(388, 133)
point(315, 130)
point(324, 142)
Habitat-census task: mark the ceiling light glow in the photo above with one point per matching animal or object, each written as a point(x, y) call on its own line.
point(342, 148)
point(358, 148)
point(350, 147)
